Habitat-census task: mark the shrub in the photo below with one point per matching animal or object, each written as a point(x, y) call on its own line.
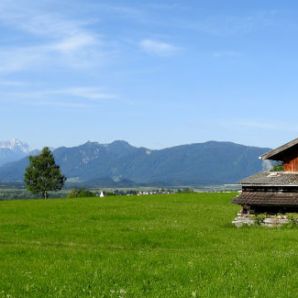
point(278, 168)
point(185, 190)
point(293, 217)
point(260, 218)
point(81, 193)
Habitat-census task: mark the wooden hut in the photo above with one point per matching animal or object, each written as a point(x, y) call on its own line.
point(273, 191)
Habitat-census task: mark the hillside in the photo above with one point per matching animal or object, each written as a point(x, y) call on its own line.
point(119, 163)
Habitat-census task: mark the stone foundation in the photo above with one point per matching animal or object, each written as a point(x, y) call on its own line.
point(268, 220)
point(275, 221)
point(243, 220)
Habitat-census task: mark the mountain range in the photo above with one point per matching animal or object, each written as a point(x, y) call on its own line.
point(121, 164)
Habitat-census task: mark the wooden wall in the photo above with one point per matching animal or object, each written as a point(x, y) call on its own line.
point(291, 165)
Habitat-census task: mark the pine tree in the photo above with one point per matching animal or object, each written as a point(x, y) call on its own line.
point(43, 175)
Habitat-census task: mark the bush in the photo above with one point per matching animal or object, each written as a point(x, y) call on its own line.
point(292, 217)
point(278, 168)
point(259, 218)
point(81, 193)
point(185, 190)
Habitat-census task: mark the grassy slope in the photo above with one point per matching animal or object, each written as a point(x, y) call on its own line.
point(162, 246)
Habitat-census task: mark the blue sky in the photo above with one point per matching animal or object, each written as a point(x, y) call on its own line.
point(154, 73)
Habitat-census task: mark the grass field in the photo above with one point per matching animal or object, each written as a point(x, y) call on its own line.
point(155, 246)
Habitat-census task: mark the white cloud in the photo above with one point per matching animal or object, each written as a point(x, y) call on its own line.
point(65, 97)
point(157, 47)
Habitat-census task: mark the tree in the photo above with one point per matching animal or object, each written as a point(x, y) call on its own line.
point(43, 175)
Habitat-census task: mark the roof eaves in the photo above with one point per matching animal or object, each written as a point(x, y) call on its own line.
point(278, 150)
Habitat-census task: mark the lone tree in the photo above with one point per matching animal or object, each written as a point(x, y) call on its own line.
point(43, 175)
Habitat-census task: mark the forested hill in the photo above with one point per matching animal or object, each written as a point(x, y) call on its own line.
point(120, 164)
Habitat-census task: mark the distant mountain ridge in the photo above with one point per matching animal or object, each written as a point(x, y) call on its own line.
point(13, 150)
point(121, 164)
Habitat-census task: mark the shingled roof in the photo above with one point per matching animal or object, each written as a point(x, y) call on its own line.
point(267, 199)
point(272, 179)
point(275, 154)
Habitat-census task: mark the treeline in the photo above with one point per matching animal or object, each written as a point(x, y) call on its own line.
point(23, 194)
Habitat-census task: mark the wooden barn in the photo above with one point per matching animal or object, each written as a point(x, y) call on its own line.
point(273, 192)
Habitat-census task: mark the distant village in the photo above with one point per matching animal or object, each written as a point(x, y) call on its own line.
point(131, 192)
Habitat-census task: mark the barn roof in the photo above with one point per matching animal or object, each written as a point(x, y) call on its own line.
point(276, 154)
point(267, 199)
point(272, 179)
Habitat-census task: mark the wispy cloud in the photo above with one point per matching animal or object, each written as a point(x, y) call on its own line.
point(157, 47)
point(34, 19)
point(120, 11)
point(53, 41)
point(12, 83)
point(230, 25)
point(17, 59)
point(74, 43)
point(226, 54)
point(89, 93)
point(66, 97)
point(267, 126)
point(78, 51)
point(51, 35)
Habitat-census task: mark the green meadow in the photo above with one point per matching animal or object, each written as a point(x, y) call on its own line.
point(180, 245)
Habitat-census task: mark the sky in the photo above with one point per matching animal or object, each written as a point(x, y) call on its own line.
point(153, 73)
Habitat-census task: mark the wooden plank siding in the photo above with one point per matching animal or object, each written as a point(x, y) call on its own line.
point(291, 165)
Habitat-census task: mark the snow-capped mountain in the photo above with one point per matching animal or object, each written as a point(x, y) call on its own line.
point(13, 150)
point(15, 145)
